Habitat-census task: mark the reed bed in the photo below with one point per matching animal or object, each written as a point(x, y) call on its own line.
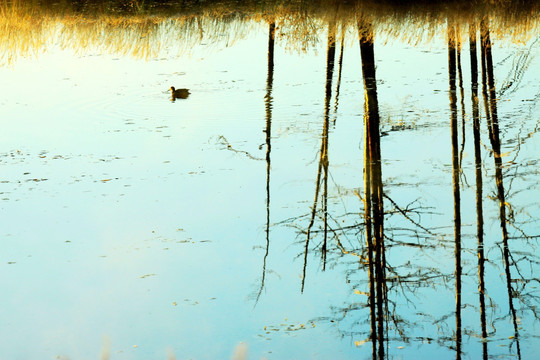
point(148, 29)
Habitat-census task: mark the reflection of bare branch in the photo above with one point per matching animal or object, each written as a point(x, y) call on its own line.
point(404, 213)
point(517, 72)
point(524, 235)
point(221, 140)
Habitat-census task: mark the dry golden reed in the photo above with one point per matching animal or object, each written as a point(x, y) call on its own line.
point(134, 28)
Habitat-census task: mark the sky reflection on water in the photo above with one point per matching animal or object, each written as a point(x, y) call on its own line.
point(133, 221)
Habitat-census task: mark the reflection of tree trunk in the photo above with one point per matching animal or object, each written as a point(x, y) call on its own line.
point(369, 235)
point(455, 178)
point(462, 98)
point(340, 63)
point(268, 105)
point(478, 167)
point(490, 99)
point(323, 158)
point(328, 96)
point(374, 191)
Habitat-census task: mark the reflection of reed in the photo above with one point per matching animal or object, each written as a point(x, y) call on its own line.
point(323, 156)
point(479, 185)
point(28, 28)
point(268, 131)
point(455, 178)
point(374, 210)
point(490, 102)
point(145, 29)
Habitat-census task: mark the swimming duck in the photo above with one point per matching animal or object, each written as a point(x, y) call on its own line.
point(179, 93)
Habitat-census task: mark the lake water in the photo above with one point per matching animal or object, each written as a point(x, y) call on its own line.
point(312, 198)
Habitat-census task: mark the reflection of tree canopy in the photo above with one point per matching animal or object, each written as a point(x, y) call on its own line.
point(148, 28)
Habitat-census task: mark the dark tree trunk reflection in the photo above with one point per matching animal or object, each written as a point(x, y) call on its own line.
point(455, 179)
point(340, 64)
point(330, 58)
point(490, 102)
point(479, 186)
point(322, 171)
point(374, 210)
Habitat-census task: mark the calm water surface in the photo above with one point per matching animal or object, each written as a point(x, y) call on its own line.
point(135, 227)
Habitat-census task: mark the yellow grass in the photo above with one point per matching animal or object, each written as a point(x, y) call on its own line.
point(27, 29)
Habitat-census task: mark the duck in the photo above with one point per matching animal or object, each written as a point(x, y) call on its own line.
point(179, 93)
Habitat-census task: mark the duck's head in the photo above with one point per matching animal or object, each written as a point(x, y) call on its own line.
point(172, 89)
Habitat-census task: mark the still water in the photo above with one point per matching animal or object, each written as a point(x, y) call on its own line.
point(329, 189)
